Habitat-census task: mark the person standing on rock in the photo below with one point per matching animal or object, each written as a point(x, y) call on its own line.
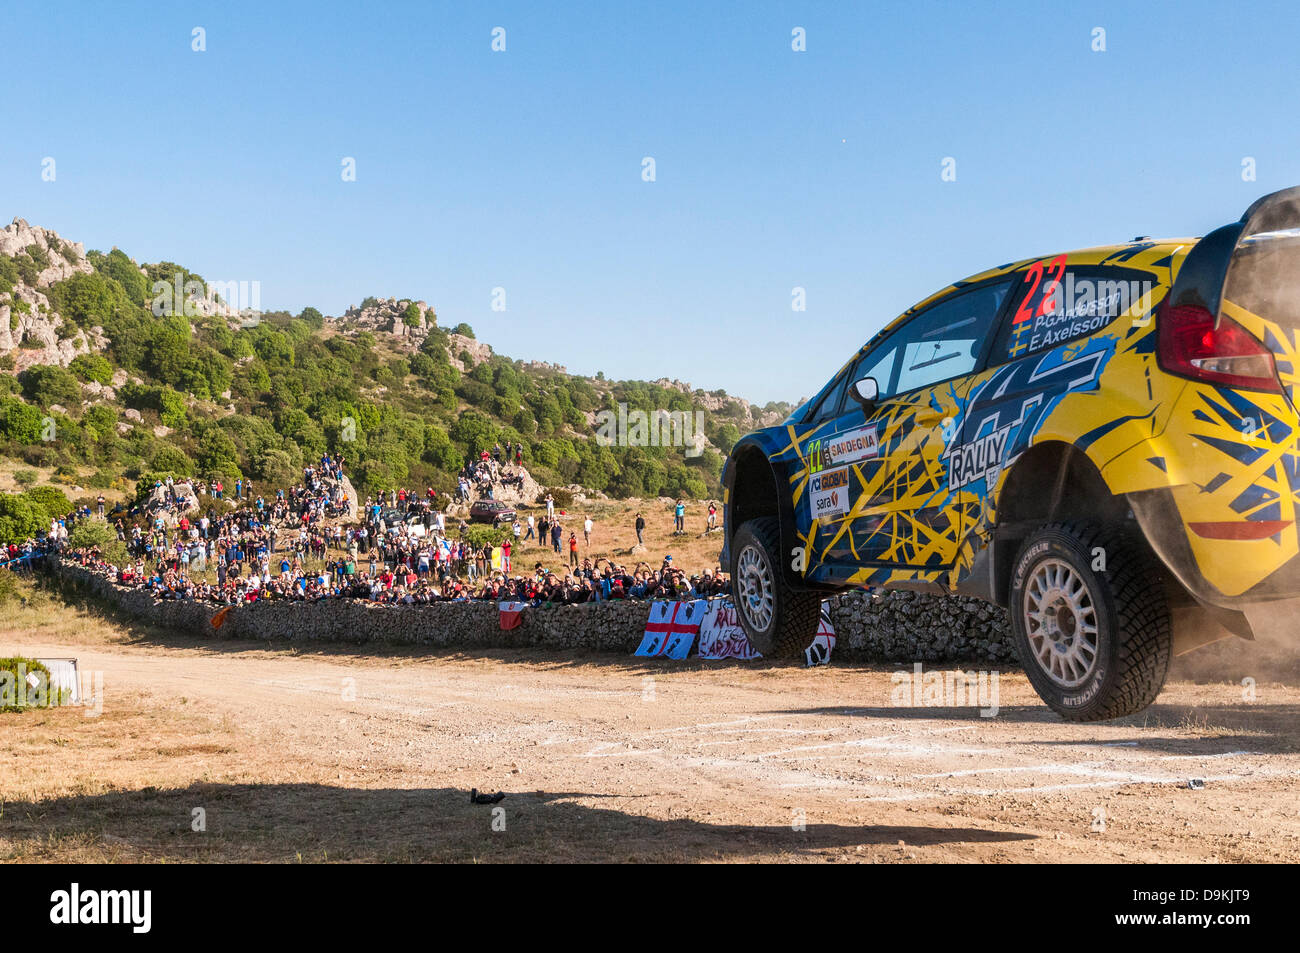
point(640, 530)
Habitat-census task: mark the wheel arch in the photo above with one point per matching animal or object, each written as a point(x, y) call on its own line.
point(1052, 480)
point(754, 486)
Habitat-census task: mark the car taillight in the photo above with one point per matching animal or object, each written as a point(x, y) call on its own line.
point(1192, 345)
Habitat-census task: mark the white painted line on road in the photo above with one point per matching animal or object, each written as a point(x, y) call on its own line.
point(883, 743)
point(1221, 754)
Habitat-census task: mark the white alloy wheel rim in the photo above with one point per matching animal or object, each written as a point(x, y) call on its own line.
point(754, 579)
point(1061, 622)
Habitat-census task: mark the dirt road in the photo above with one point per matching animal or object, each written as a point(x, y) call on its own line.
point(330, 755)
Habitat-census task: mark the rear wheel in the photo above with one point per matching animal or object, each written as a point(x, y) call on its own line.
point(779, 620)
point(1090, 621)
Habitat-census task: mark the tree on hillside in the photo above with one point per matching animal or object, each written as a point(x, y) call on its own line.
point(46, 384)
point(474, 431)
point(121, 269)
point(19, 422)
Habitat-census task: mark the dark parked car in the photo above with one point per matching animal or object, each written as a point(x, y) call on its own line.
point(491, 511)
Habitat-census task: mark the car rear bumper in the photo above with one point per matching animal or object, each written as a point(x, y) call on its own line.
point(1170, 536)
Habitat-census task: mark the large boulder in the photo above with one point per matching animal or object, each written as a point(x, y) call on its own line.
point(161, 497)
point(518, 495)
point(352, 497)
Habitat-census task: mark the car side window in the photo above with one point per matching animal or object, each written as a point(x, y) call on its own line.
point(877, 363)
point(828, 406)
point(946, 340)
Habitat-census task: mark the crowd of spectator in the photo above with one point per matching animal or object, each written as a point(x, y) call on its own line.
point(399, 549)
point(492, 469)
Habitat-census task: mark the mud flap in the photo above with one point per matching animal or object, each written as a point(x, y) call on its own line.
point(1201, 624)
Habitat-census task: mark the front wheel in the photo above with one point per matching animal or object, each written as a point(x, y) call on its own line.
point(779, 620)
point(1090, 621)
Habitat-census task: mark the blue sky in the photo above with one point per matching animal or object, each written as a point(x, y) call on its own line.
point(522, 169)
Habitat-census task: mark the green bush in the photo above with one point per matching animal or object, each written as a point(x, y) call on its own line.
point(20, 518)
point(19, 422)
point(8, 588)
point(16, 694)
point(8, 275)
point(46, 384)
point(173, 460)
point(96, 533)
point(478, 535)
point(50, 501)
point(92, 367)
point(563, 498)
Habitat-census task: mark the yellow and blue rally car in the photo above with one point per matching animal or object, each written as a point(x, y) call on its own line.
point(1105, 442)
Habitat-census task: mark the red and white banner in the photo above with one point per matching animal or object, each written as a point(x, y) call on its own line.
point(721, 635)
point(671, 630)
point(512, 614)
point(819, 653)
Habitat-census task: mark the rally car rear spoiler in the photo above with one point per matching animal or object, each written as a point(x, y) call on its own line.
point(1204, 274)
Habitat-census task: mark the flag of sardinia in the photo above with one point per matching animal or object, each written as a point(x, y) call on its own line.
point(671, 630)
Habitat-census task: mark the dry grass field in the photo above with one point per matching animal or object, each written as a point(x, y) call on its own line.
point(614, 534)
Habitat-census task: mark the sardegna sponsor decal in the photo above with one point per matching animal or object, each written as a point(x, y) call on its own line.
point(849, 447)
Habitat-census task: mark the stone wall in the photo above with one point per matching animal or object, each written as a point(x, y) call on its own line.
point(886, 627)
point(918, 627)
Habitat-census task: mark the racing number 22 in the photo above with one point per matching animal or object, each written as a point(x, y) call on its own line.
point(1033, 277)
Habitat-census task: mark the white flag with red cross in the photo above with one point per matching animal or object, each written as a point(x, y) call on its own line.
point(671, 629)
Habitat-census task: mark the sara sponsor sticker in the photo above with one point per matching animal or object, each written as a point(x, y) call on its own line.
point(849, 447)
point(829, 494)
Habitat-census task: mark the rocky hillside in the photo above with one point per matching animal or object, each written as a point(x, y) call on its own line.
point(103, 380)
point(30, 329)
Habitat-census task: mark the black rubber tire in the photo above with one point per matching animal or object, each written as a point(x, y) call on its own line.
point(1134, 629)
point(795, 614)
